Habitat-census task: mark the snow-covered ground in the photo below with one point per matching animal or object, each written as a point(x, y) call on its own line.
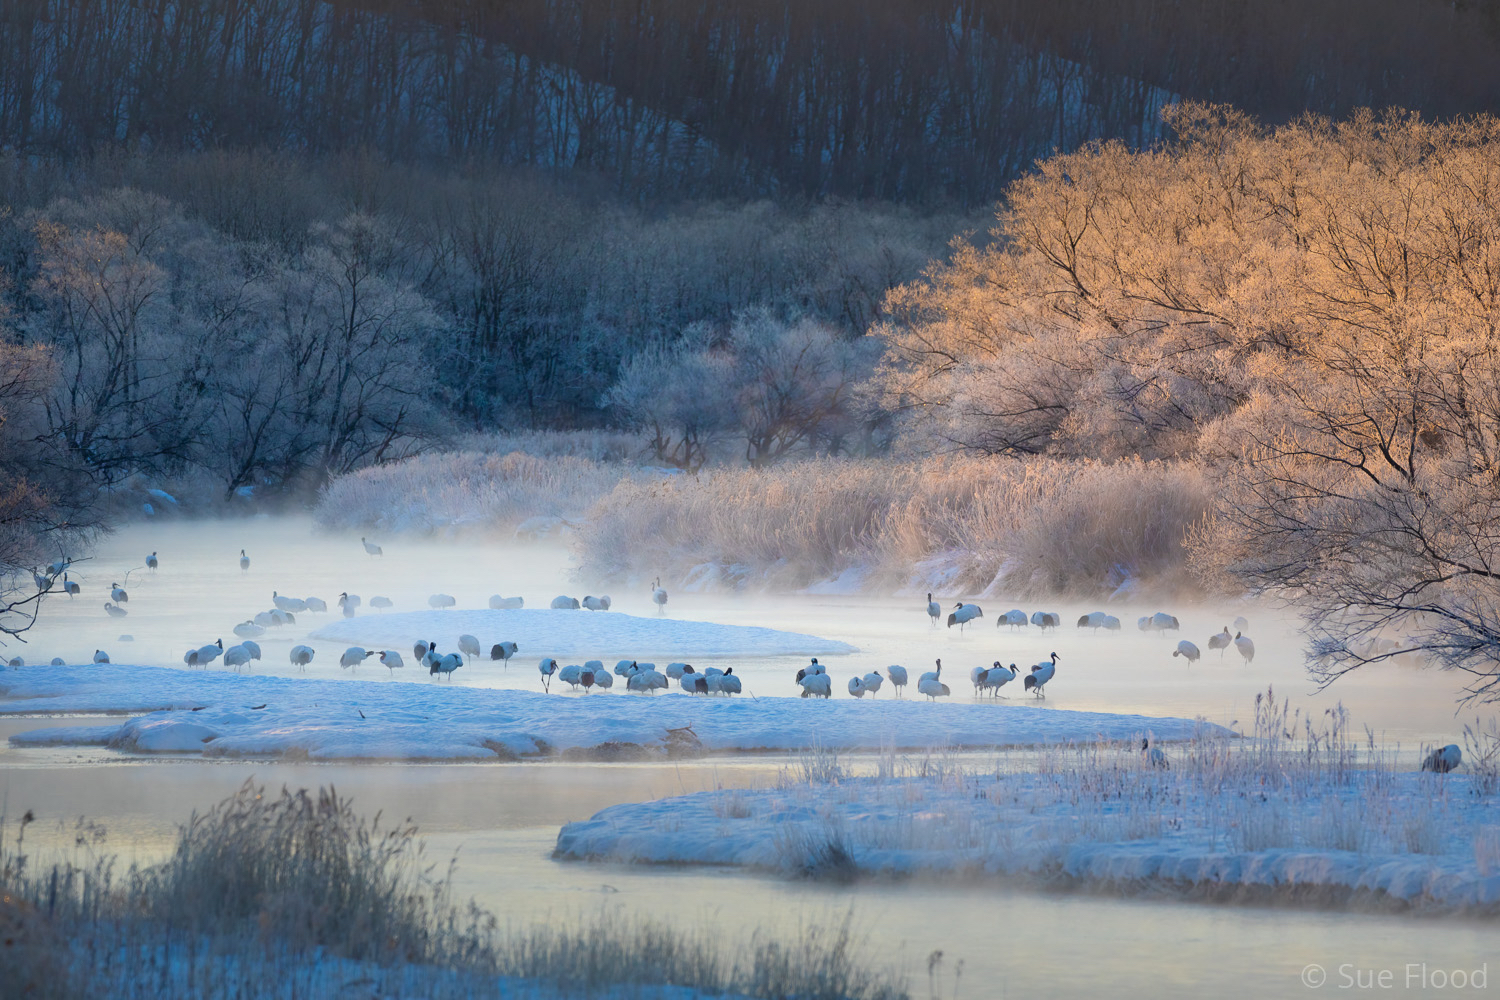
point(221, 714)
point(546, 632)
point(1424, 840)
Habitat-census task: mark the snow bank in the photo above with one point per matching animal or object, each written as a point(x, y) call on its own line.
point(1023, 826)
point(606, 634)
point(242, 715)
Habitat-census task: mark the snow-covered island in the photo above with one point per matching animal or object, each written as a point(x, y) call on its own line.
point(1240, 824)
point(225, 714)
point(552, 632)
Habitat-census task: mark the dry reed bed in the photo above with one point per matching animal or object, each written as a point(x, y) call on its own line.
point(297, 896)
point(1027, 528)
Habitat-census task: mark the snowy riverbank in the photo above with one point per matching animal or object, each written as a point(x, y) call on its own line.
point(1380, 840)
point(605, 634)
point(223, 714)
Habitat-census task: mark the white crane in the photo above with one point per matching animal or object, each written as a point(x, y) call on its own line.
point(498, 603)
point(592, 671)
point(117, 594)
point(604, 679)
point(934, 610)
point(645, 677)
point(932, 688)
point(547, 668)
point(236, 657)
point(503, 651)
point(857, 687)
point(997, 677)
point(114, 610)
point(1220, 641)
point(562, 602)
point(347, 603)
point(354, 656)
point(420, 648)
point(1094, 620)
point(437, 601)
point(391, 660)
point(445, 665)
point(963, 614)
point(204, 655)
point(244, 562)
point(1245, 647)
point(1187, 651)
point(70, 588)
point(976, 677)
point(1015, 618)
point(151, 562)
point(1046, 619)
point(469, 646)
point(597, 603)
point(316, 604)
point(301, 656)
point(249, 630)
point(58, 661)
point(371, 547)
point(571, 674)
point(1443, 760)
point(253, 648)
point(658, 595)
point(872, 682)
point(380, 603)
point(676, 670)
point(1040, 674)
point(1241, 624)
point(100, 656)
point(728, 683)
point(897, 674)
point(812, 668)
point(816, 686)
point(292, 605)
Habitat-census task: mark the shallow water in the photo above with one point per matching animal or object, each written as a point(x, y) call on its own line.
point(200, 594)
point(501, 821)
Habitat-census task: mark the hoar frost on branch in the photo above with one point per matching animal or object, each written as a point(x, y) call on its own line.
point(1311, 309)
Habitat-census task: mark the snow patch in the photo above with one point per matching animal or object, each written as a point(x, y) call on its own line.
point(1166, 833)
point(259, 716)
point(606, 634)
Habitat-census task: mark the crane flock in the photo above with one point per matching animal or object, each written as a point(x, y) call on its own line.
point(813, 680)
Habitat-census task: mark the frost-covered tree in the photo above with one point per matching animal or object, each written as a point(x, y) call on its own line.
point(794, 384)
point(1312, 308)
point(679, 395)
